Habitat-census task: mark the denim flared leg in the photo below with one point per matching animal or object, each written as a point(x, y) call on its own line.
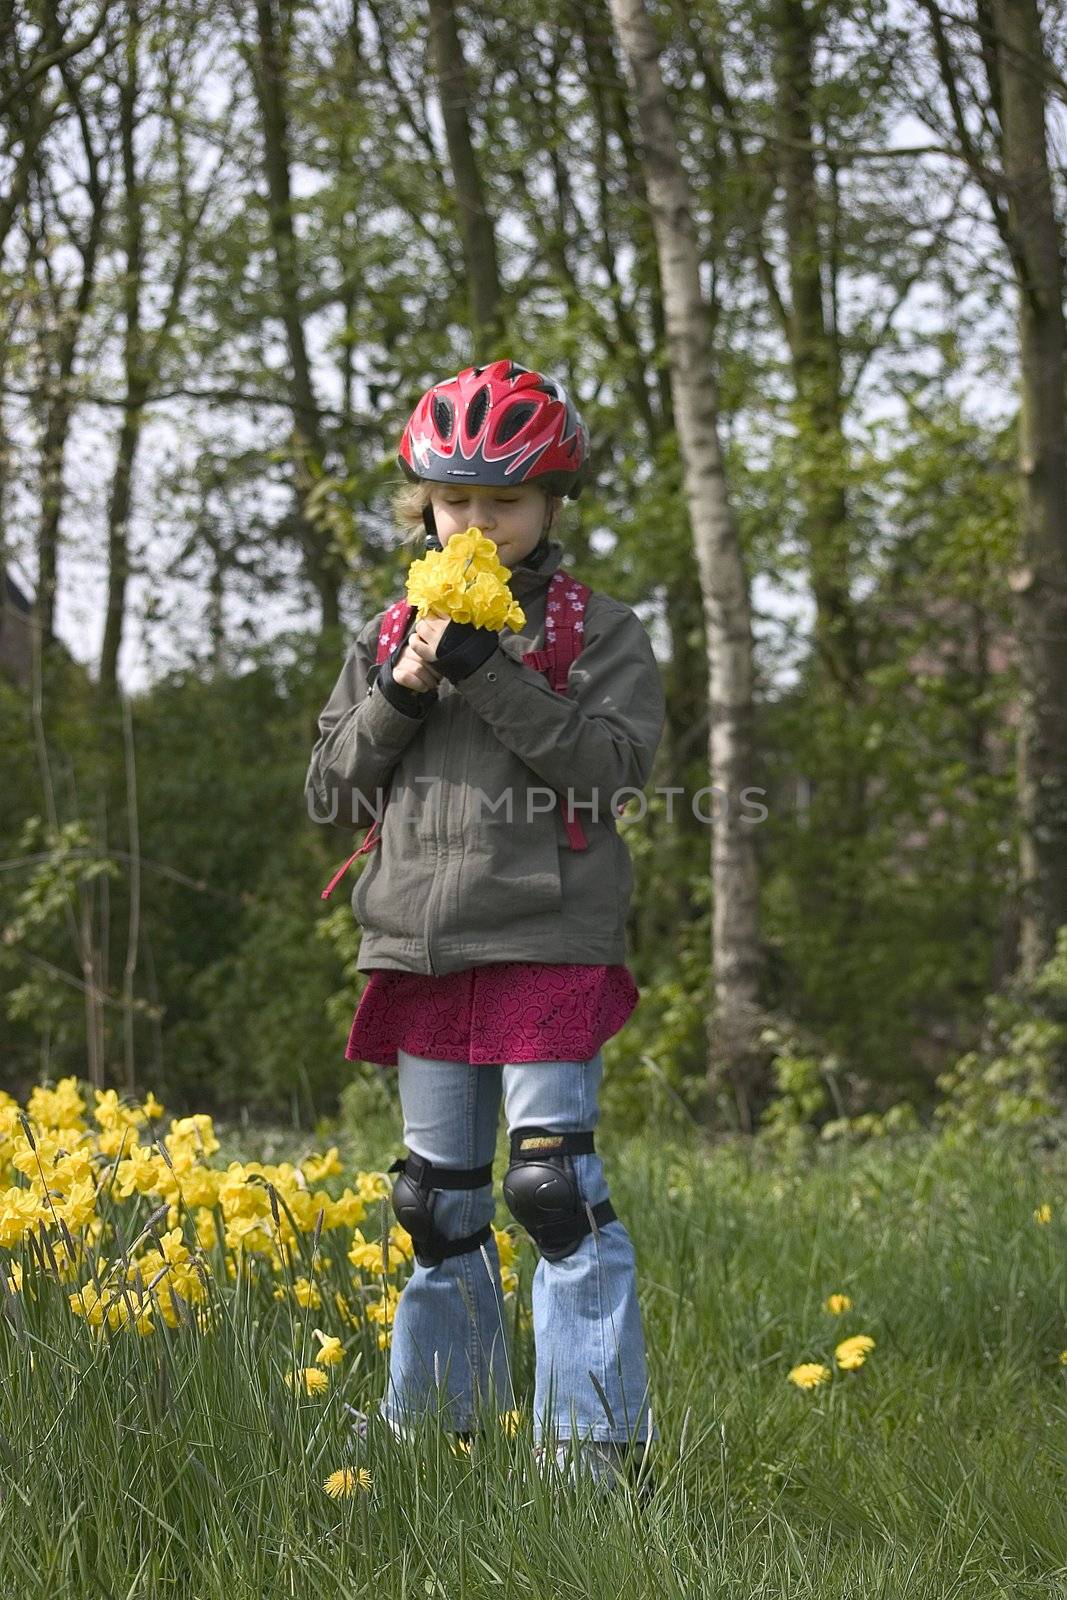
point(449, 1344)
point(586, 1320)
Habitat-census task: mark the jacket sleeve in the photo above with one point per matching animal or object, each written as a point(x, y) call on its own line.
point(602, 734)
point(361, 737)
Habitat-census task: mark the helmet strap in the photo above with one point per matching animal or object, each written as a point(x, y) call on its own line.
point(534, 559)
point(429, 522)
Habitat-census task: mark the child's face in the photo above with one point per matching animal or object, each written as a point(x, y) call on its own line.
point(512, 518)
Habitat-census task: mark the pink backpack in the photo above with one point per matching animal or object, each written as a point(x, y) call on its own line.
point(564, 624)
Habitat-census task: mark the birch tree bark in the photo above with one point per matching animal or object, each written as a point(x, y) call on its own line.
point(735, 948)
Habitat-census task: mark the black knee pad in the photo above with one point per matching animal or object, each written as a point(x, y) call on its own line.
point(413, 1203)
point(541, 1190)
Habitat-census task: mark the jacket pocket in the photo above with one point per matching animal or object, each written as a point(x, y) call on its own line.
point(508, 871)
point(376, 902)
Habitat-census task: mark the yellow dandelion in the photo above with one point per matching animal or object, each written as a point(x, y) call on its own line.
point(312, 1379)
point(1043, 1213)
point(837, 1304)
point(852, 1353)
point(347, 1481)
point(809, 1375)
point(1063, 1358)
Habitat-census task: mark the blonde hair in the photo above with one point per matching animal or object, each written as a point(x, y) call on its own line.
point(409, 500)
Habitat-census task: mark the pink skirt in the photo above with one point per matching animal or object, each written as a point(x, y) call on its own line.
point(497, 1014)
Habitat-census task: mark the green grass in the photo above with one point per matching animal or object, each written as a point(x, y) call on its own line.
point(176, 1466)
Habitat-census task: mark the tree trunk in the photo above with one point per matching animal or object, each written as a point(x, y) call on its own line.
point(57, 414)
point(815, 358)
point(118, 548)
point(735, 950)
point(834, 894)
point(323, 565)
point(1041, 582)
point(475, 222)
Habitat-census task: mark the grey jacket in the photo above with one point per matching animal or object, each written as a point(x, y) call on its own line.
point(473, 864)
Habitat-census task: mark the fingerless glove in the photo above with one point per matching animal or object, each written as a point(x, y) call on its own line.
point(462, 648)
point(412, 702)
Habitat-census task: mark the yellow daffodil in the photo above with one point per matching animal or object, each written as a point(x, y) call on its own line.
point(852, 1353)
point(466, 582)
point(402, 1241)
point(61, 1107)
point(809, 1375)
point(509, 1421)
point(315, 1168)
point(837, 1304)
point(505, 1246)
point(332, 1350)
point(372, 1186)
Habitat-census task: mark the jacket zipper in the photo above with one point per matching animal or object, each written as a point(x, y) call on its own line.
point(437, 863)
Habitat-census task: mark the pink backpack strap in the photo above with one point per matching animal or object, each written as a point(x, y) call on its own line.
point(391, 631)
point(394, 624)
point(564, 626)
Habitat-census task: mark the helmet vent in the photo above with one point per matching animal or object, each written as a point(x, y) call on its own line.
point(512, 420)
point(444, 416)
point(477, 411)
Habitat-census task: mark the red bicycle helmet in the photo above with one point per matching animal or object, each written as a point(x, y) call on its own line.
point(497, 426)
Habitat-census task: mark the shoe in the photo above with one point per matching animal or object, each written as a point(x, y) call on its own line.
point(361, 1426)
point(609, 1464)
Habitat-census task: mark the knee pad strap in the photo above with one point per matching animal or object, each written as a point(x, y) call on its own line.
point(541, 1191)
point(413, 1205)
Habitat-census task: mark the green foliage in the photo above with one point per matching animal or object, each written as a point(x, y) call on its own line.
point(370, 1117)
point(1015, 1077)
point(809, 1086)
point(801, 1093)
point(36, 937)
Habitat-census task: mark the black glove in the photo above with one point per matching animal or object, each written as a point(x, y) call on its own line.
point(412, 702)
point(462, 648)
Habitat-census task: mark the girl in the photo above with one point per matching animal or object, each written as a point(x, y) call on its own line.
point(493, 912)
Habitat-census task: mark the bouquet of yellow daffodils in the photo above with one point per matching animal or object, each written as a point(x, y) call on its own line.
point(465, 581)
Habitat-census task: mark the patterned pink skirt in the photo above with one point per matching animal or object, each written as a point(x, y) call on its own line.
point(503, 1012)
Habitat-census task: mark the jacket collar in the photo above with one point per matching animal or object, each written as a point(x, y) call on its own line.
point(527, 580)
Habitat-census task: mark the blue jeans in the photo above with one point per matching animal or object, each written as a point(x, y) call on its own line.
point(449, 1350)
